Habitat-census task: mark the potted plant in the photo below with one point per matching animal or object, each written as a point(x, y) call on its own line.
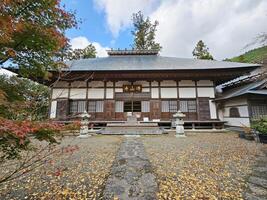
point(247, 133)
point(261, 127)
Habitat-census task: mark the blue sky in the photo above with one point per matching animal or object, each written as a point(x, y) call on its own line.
point(226, 26)
point(93, 25)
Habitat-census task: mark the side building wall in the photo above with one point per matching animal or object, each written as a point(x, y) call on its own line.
point(235, 112)
point(160, 99)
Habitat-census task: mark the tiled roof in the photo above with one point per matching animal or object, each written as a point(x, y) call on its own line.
point(251, 88)
point(150, 62)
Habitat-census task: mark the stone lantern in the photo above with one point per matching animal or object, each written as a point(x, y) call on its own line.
point(179, 123)
point(84, 125)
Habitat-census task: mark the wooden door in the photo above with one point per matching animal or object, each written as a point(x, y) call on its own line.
point(155, 111)
point(109, 109)
point(62, 109)
point(203, 108)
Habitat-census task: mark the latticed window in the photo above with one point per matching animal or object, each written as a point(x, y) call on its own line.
point(188, 105)
point(95, 106)
point(165, 106)
point(173, 106)
point(145, 107)
point(77, 106)
point(169, 106)
point(119, 106)
point(258, 111)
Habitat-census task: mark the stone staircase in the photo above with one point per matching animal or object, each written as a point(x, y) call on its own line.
point(132, 127)
point(132, 130)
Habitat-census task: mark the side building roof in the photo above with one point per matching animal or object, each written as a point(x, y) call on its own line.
point(257, 87)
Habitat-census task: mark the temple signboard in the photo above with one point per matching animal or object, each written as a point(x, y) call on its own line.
point(132, 88)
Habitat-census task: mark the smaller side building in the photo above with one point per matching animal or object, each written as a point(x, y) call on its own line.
point(244, 99)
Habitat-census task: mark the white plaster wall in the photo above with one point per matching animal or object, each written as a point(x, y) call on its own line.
point(213, 110)
point(220, 114)
point(243, 111)
point(60, 93)
point(241, 104)
point(143, 83)
point(154, 83)
point(61, 84)
point(187, 93)
point(96, 93)
point(168, 93)
point(118, 90)
point(206, 92)
point(237, 121)
point(186, 83)
point(78, 93)
point(154, 93)
point(78, 84)
point(204, 83)
point(95, 84)
point(53, 109)
point(109, 84)
point(168, 83)
point(109, 93)
point(121, 83)
point(145, 89)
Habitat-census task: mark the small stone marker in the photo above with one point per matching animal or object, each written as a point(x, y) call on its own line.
point(84, 133)
point(179, 123)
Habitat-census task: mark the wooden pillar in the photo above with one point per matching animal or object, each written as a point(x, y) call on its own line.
point(86, 98)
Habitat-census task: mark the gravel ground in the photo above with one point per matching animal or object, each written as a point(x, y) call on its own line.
point(201, 166)
point(80, 174)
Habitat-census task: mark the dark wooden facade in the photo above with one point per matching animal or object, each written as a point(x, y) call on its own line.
point(201, 110)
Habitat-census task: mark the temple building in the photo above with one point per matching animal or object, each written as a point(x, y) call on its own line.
point(141, 82)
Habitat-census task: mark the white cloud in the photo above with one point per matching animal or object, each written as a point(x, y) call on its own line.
point(226, 26)
point(119, 12)
point(81, 42)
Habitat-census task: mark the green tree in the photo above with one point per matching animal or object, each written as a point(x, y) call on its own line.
point(22, 99)
point(63, 53)
point(31, 32)
point(144, 33)
point(87, 52)
point(201, 51)
point(67, 53)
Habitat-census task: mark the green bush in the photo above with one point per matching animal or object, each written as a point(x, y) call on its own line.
point(260, 125)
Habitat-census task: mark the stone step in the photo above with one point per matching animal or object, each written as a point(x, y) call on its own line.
point(132, 131)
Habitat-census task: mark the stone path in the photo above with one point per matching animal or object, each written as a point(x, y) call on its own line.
point(257, 182)
point(131, 175)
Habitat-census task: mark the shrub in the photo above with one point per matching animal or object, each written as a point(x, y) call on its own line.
point(15, 136)
point(260, 125)
point(73, 126)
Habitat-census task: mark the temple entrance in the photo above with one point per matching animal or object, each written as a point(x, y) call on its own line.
point(132, 106)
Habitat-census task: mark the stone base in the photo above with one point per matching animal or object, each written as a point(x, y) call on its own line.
point(83, 136)
point(131, 135)
point(180, 136)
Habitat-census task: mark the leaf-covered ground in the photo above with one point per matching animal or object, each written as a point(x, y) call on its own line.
point(80, 174)
point(202, 166)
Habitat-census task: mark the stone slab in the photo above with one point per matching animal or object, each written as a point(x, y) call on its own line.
point(131, 176)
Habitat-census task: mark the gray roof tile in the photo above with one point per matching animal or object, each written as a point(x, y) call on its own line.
point(149, 62)
point(245, 89)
